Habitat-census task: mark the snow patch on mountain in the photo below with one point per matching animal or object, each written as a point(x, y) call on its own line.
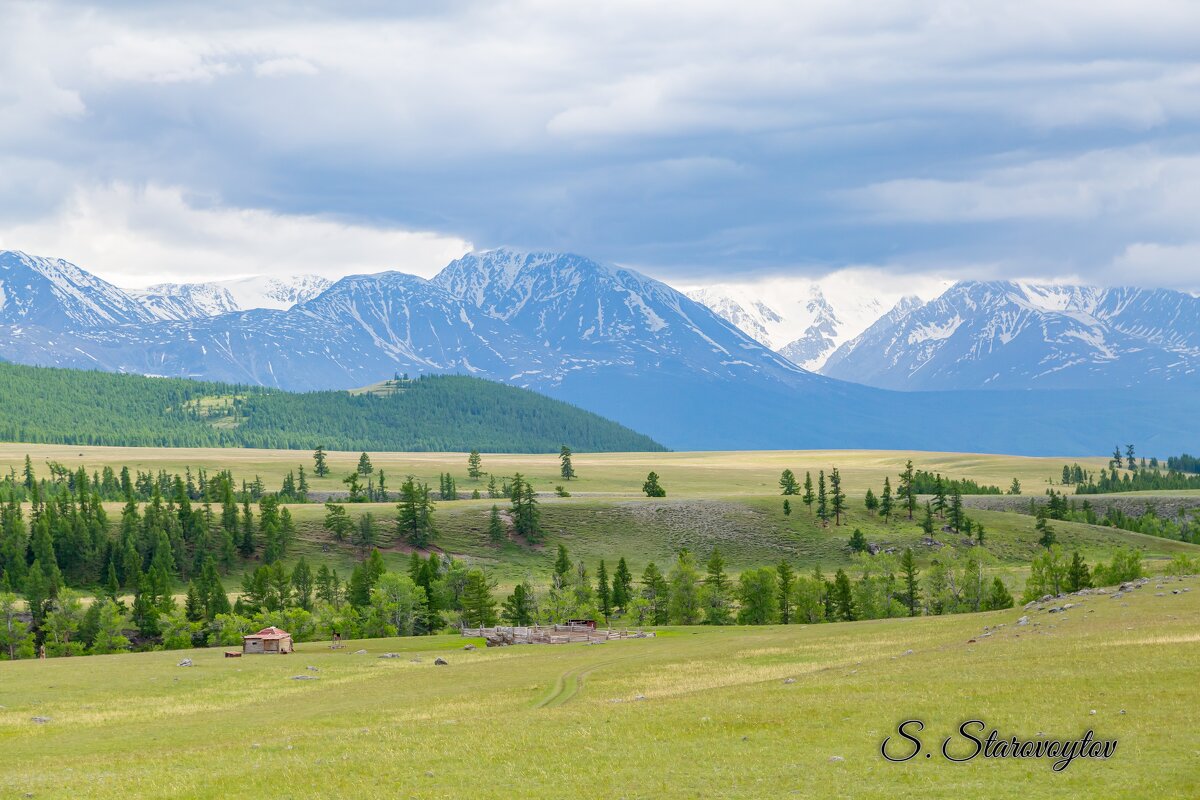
point(177, 301)
point(806, 320)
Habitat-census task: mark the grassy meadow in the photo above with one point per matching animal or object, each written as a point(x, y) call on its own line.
point(684, 475)
point(795, 711)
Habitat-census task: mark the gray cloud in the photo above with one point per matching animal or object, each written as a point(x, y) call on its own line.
point(1053, 138)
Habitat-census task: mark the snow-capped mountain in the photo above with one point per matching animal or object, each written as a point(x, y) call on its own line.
point(620, 344)
point(1010, 335)
point(177, 301)
point(804, 320)
point(56, 295)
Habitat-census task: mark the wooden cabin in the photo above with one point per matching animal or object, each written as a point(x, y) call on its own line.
point(268, 640)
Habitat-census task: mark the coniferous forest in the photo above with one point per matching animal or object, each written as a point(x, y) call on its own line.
point(430, 413)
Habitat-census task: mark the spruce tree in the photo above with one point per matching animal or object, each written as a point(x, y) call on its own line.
point(787, 507)
point(1078, 575)
point(1046, 536)
point(474, 465)
point(364, 465)
point(956, 510)
point(562, 565)
point(684, 605)
point(320, 464)
point(870, 501)
point(787, 483)
point(927, 521)
point(858, 542)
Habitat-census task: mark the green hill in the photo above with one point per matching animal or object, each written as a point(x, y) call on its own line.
point(444, 413)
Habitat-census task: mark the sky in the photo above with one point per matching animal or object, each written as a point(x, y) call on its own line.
point(695, 141)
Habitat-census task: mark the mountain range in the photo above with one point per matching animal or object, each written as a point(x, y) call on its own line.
point(620, 344)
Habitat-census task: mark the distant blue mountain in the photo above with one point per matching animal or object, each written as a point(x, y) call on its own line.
point(607, 339)
point(1006, 335)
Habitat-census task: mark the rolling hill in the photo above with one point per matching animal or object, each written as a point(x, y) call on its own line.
point(430, 413)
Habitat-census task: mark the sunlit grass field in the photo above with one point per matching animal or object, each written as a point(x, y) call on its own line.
point(695, 713)
point(684, 475)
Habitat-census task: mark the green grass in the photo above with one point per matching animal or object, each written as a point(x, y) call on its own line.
point(717, 719)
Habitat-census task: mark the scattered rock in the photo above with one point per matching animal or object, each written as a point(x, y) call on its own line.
point(304, 677)
point(1055, 610)
point(639, 697)
point(1122, 711)
point(40, 720)
point(441, 662)
point(970, 641)
point(469, 647)
point(836, 759)
point(187, 662)
point(1115, 595)
point(390, 655)
point(312, 669)
point(789, 680)
point(415, 660)
point(256, 744)
point(428, 773)
point(1092, 712)
point(1068, 605)
point(1160, 594)
point(360, 652)
point(907, 653)
point(1174, 591)
point(1023, 621)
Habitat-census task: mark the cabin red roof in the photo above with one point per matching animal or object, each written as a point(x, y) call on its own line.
point(269, 633)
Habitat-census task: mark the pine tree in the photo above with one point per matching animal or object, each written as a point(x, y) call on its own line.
point(338, 522)
point(912, 592)
point(999, 597)
point(1015, 487)
point(414, 519)
point(496, 531)
point(622, 586)
point(193, 606)
point(684, 605)
point(939, 497)
point(843, 597)
point(320, 464)
point(837, 497)
point(652, 487)
point(870, 501)
point(1115, 462)
point(302, 486)
point(525, 514)
point(518, 607)
point(478, 604)
point(562, 565)
point(1130, 461)
point(787, 483)
point(808, 497)
point(474, 465)
point(927, 521)
point(786, 580)
point(603, 591)
point(364, 465)
point(908, 489)
point(717, 603)
point(787, 507)
point(956, 510)
point(1046, 538)
point(566, 470)
point(656, 592)
point(822, 500)
point(1078, 575)
point(885, 501)
point(858, 542)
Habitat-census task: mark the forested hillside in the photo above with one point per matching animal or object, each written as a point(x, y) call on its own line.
point(62, 406)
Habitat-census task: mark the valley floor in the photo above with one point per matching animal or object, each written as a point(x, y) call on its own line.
point(795, 711)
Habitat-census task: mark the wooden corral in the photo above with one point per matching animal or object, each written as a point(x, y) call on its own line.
point(502, 636)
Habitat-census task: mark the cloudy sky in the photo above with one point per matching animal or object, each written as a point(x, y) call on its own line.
point(695, 141)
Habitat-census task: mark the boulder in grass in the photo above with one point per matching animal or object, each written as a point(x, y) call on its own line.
point(187, 662)
point(441, 662)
